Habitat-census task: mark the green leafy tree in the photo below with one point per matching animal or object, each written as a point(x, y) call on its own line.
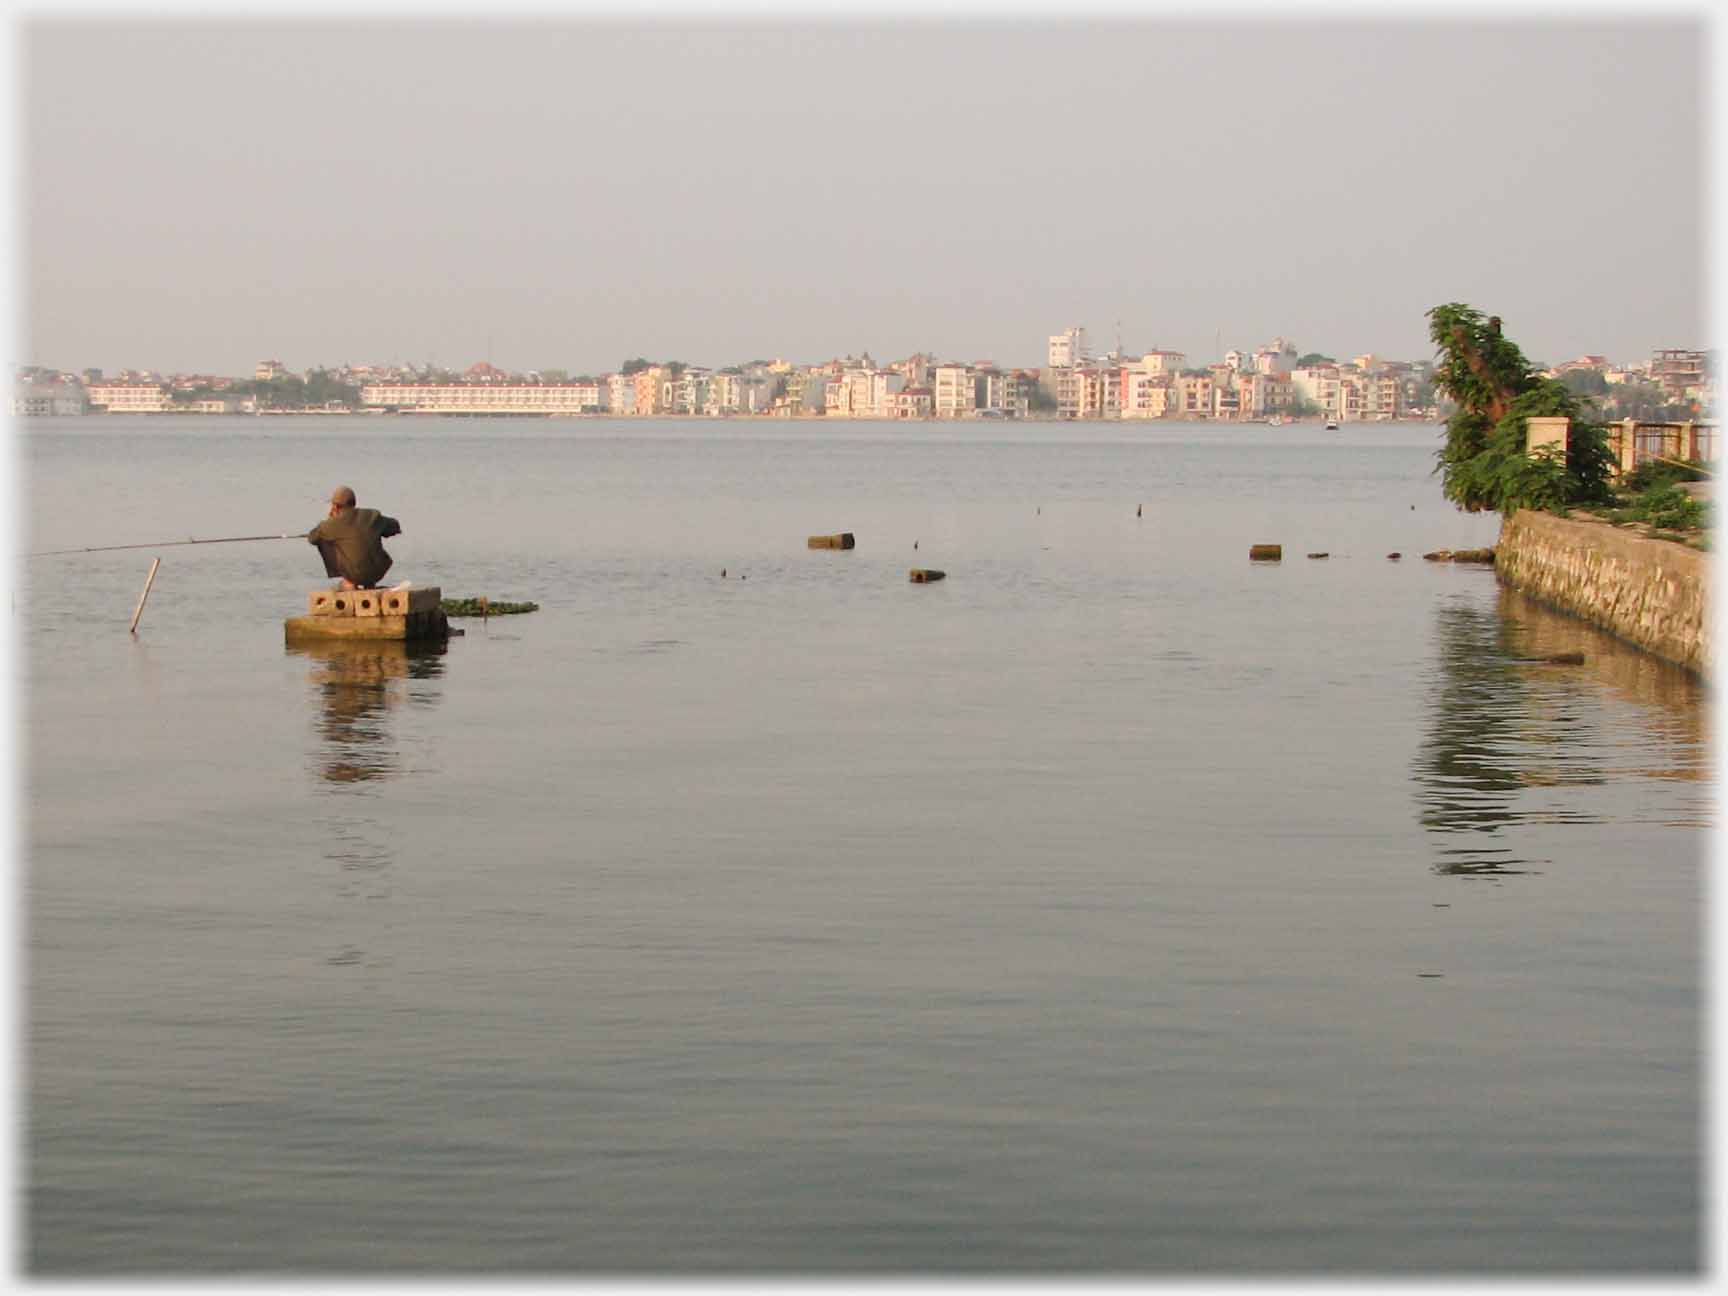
point(1314, 358)
point(1585, 382)
point(635, 366)
point(1484, 464)
point(1645, 402)
point(322, 389)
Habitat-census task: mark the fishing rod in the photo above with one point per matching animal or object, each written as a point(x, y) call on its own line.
point(165, 544)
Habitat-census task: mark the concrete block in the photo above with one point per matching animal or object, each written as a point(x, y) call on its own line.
point(367, 602)
point(1547, 434)
point(399, 602)
point(430, 624)
point(323, 603)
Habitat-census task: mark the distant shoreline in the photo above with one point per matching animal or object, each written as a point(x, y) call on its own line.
point(1317, 421)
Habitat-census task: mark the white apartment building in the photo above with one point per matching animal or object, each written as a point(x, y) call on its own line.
point(913, 403)
point(223, 405)
point(756, 390)
point(1255, 395)
point(1145, 395)
point(1320, 385)
point(1192, 396)
point(128, 398)
point(724, 395)
point(620, 393)
point(1278, 358)
point(1100, 393)
point(47, 400)
point(1383, 397)
point(863, 393)
point(684, 392)
point(1066, 385)
point(541, 399)
point(885, 389)
point(806, 392)
point(955, 391)
point(1069, 350)
point(1001, 394)
point(917, 367)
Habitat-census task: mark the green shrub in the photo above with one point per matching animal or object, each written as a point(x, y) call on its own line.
point(1484, 463)
point(1659, 472)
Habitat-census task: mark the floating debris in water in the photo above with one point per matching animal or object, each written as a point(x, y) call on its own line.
point(1460, 555)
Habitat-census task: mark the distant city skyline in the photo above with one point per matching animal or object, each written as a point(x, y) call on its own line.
point(1097, 355)
point(198, 195)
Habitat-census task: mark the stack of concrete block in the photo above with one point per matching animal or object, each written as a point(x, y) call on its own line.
point(410, 612)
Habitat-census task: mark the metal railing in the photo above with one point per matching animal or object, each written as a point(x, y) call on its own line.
point(1634, 444)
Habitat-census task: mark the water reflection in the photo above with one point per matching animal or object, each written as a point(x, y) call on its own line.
point(359, 688)
point(357, 685)
point(1514, 740)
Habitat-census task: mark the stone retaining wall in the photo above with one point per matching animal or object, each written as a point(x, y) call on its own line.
point(1649, 592)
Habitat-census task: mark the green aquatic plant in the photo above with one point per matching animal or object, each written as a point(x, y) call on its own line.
point(484, 607)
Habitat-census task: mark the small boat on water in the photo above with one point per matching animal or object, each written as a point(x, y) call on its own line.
point(1331, 425)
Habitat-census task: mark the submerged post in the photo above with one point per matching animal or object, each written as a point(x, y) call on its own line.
point(148, 581)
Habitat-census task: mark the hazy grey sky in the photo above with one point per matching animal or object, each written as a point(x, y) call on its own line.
point(200, 195)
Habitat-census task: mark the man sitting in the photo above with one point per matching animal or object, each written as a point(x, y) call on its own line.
point(350, 541)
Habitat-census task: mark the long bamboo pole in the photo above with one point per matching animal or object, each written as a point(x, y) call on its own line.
point(148, 581)
point(1681, 463)
point(164, 544)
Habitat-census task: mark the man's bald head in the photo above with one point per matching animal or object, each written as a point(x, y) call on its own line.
point(342, 497)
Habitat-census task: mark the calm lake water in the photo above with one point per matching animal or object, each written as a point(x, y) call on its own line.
point(1114, 906)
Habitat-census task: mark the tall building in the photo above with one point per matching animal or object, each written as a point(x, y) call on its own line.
point(1068, 350)
point(1677, 372)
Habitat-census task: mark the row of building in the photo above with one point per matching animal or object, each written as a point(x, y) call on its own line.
point(1268, 383)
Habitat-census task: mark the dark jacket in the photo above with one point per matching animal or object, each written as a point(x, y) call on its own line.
point(351, 542)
